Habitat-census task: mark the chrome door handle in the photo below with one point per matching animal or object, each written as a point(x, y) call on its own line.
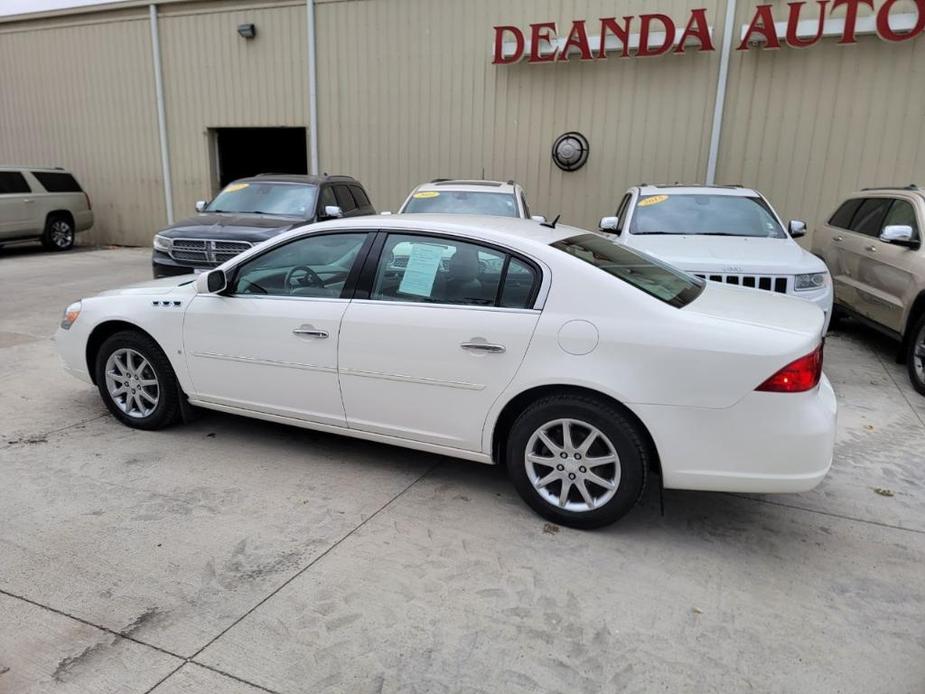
point(483, 347)
point(309, 331)
point(28, 201)
point(838, 238)
point(872, 249)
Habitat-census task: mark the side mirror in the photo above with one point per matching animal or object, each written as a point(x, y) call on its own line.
point(201, 205)
point(898, 234)
point(333, 212)
point(797, 228)
point(609, 224)
point(538, 218)
point(216, 281)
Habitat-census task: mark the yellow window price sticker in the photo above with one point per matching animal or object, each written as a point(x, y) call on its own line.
point(235, 186)
point(653, 200)
point(426, 194)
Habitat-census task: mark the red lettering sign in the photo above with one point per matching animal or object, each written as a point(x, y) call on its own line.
point(697, 28)
point(644, 50)
point(500, 59)
point(577, 38)
point(793, 19)
point(544, 31)
point(885, 32)
point(762, 23)
point(621, 32)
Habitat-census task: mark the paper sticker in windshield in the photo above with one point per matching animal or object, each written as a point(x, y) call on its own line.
point(421, 269)
point(235, 186)
point(653, 200)
point(426, 194)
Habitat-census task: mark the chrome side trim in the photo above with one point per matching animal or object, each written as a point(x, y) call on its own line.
point(266, 362)
point(462, 385)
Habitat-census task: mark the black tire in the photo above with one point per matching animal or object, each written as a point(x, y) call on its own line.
point(916, 363)
point(625, 438)
point(838, 316)
point(59, 233)
point(166, 411)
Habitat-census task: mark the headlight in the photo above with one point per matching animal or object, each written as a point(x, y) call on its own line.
point(162, 243)
point(809, 281)
point(70, 315)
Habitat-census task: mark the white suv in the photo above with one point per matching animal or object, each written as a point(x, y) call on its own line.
point(726, 234)
point(42, 204)
point(452, 196)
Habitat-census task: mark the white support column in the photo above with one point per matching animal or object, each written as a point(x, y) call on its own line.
point(312, 89)
point(161, 116)
point(719, 104)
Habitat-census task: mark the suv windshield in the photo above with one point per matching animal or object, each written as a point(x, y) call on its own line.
point(462, 202)
point(288, 199)
point(642, 271)
point(706, 215)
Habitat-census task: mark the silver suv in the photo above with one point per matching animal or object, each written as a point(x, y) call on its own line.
point(872, 246)
point(42, 204)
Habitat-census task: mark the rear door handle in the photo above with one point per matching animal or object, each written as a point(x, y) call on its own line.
point(872, 249)
point(483, 347)
point(310, 331)
point(28, 202)
point(838, 238)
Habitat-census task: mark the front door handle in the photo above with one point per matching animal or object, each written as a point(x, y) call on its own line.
point(483, 347)
point(838, 238)
point(310, 331)
point(872, 249)
point(29, 201)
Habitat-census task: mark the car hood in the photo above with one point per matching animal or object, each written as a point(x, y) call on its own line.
point(760, 308)
point(728, 254)
point(236, 227)
point(180, 284)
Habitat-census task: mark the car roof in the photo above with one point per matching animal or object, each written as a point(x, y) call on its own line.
point(678, 189)
point(887, 190)
point(467, 185)
point(519, 233)
point(297, 178)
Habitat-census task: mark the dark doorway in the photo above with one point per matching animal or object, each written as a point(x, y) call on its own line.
point(244, 152)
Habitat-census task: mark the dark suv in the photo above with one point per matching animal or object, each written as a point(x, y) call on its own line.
point(251, 210)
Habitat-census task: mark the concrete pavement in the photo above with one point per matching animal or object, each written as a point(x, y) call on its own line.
point(232, 555)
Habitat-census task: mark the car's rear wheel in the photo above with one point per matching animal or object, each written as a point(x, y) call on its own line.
point(915, 358)
point(59, 233)
point(136, 381)
point(577, 461)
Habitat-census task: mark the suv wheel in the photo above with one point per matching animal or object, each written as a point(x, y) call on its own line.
point(577, 461)
point(59, 233)
point(136, 381)
point(915, 358)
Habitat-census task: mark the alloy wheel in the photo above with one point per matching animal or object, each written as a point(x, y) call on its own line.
point(132, 383)
point(918, 354)
point(572, 465)
point(62, 235)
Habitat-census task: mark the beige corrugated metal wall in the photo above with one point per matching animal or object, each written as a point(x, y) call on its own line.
point(81, 95)
point(407, 92)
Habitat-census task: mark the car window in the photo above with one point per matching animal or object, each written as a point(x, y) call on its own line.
point(706, 215)
point(868, 220)
point(266, 197)
point(621, 212)
point(844, 214)
point(902, 212)
point(637, 269)
point(313, 266)
point(344, 199)
point(360, 197)
point(13, 182)
point(519, 282)
point(55, 182)
point(462, 202)
point(438, 271)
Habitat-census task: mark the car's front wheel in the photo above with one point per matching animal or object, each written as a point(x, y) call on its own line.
point(915, 358)
point(577, 461)
point(136, 381)
point(59, 233)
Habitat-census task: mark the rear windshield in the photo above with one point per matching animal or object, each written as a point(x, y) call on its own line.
point(462, 202)
point(263, 197)
point(705, 215)
point(642, 271)
point(57, 182)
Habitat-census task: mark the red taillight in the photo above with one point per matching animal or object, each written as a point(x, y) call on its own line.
point(798, 376)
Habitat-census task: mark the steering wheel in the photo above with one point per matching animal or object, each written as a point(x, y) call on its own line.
point(310, 278)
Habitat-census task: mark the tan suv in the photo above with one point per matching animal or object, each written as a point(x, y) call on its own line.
point(42, 204)
point(872, 245)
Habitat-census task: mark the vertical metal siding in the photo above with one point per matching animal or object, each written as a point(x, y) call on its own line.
point(82, 97)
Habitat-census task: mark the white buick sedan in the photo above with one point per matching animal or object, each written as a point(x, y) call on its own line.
point(581, 365)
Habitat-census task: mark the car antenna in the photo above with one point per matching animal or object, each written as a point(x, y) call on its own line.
point(552, 224)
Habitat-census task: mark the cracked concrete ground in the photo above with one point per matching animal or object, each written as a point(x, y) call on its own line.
point(239, 556)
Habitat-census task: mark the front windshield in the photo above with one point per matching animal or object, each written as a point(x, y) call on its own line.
point(705, 215)
point(637, 269)
point(462, 202)
point(259, 197)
